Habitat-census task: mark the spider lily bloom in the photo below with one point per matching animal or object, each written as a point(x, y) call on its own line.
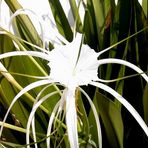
point(44, 14)
point(45, 11)
point(72, 65)
point(42, 19)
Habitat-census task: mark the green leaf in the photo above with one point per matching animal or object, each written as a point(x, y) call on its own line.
point(145, 7)
point(60, 19)
point(92, 124)
point(100, 19)
point(99, 13)
point(88, 27)
point(111, 119)
point(84, 130)
point(21, 65)
point(11, 145)
point(75, 12)
point(145, 103)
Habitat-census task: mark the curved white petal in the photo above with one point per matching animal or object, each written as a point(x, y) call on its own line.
point(96, 117)
point(32, 113)
point(125, 103)
point(13, 37)
point(51, 123)
point(43, 10)
point(55, 113)
point(33, 133)
point(33, 120)
point(25, 53)
point(23, 91)
point(29, 12)
point(123, 62)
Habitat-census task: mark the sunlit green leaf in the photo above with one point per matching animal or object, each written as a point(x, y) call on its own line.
point(111, 119)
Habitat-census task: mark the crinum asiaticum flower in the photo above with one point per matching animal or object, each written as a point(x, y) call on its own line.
point(72, 65)
point(41, 17)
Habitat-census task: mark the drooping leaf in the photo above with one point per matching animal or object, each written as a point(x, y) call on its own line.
point(145, 103)
point(145, 7)
point(111, 120)
point(60, 19)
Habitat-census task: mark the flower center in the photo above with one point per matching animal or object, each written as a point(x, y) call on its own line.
point(71, 67)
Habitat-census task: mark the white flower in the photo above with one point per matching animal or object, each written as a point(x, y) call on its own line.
point(41, 16)
point(42, 9)
point(72, 65)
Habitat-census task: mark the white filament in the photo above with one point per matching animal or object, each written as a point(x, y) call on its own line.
point(23, 91)
point(96, 117)
point(125, 103)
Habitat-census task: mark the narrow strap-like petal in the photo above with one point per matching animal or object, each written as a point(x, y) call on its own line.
point(31, 116)
point(71, 119)
point(29, 12)
point(25, 53)
point(126, 104)
point(123, 62)
point(23, 91)
point(57, 109)
point(96, 117)
point(33, 120)
point(52, 117)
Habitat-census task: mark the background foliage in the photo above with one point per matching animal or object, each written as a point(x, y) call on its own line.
point(105, 24)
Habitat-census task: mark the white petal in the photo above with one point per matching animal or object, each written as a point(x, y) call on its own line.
point(63, 60)
point(126, 104)
point(55, 113)
point(23, 91)
point(71, 119)
point(140, 1)
point(25, 53)
point(122, 62)
point(43, 10)
point(116, 2)
point(30, 13)
point(74, 63)
point(96, 117)
point(31, 116)
point(33, 120)
point(51, 123)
